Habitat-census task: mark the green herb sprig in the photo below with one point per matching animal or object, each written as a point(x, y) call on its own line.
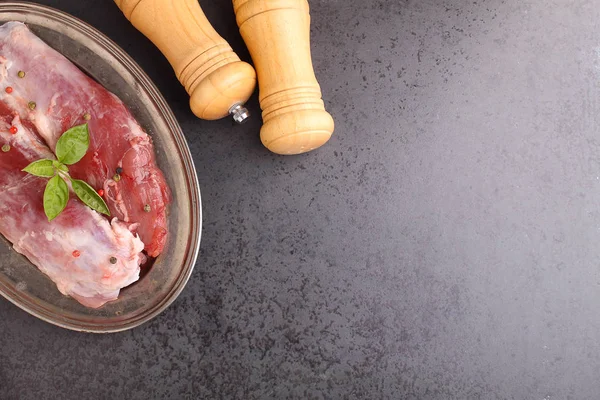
point(70, 149)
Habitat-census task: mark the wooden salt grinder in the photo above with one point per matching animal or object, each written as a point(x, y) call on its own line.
point(217, 81)
point(277, 33)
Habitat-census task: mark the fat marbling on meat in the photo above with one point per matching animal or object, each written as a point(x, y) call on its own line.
point(54, 95)
point(76, 248)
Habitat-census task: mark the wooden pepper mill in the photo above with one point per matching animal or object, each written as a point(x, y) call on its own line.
point(277, 33)
point(219, 84)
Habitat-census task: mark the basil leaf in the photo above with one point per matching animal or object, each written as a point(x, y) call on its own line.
point(60, 166)
point(42, 168)
point(56, 197)
point(89, 196)
point(73, 144)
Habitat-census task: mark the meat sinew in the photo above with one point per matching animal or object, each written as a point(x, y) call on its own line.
point(88, 257)
point(54, 95)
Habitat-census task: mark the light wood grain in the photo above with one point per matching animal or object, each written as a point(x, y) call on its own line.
point(204, 62)
point(277, 33)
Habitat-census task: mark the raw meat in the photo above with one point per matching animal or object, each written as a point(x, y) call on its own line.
point(90, 277)
point(63, 97)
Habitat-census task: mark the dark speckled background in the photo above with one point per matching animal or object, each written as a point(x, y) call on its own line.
point(443, 245)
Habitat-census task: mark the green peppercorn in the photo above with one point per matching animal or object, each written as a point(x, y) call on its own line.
point(113, 260)
point(31, 105)
point(21, 74)
point(6, 148)
point(116, 177)
point(147, 208)
point(87, 116)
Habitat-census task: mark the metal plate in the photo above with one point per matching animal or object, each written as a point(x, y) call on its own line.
point(98, 56)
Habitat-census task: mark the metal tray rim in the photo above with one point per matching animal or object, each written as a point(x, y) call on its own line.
point(196, 213)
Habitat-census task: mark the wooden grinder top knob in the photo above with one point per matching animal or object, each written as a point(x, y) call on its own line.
point(217, 81)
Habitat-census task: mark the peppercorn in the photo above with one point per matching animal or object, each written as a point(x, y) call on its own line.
point(21, 74)
point(31, 105)
point(113, 260)
point(6, 148)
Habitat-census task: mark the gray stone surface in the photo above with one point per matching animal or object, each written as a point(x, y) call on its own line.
point(443, 245)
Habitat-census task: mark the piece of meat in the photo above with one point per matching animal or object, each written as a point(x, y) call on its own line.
point(63, 97)
point(90, 278)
